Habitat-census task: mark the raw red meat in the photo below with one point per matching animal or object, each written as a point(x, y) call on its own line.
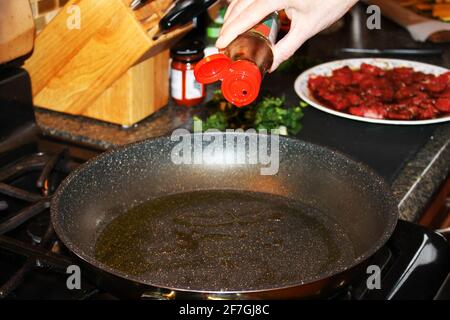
point(443, 104)
point(399, 93)
point(372, 70)
point(427, 111)
point(437, 84)
point(343, 76)
point(368, 112)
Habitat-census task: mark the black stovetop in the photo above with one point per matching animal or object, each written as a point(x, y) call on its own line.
point(414, 263)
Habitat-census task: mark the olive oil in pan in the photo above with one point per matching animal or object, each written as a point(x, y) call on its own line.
point(223, 240)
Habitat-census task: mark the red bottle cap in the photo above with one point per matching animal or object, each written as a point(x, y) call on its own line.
point(241, 79)
point(212, 68)
point(241, 86)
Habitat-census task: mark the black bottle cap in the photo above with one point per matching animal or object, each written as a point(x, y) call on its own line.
point(188, 50)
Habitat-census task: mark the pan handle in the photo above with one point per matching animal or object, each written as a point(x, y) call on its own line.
point(171, 295)
point(444, 231)
point(158, 295)
point(225, 296)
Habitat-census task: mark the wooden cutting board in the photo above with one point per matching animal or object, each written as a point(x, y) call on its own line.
point(420, 27)
point(16, 29)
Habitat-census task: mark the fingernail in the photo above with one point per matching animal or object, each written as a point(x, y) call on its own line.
point(219, 42)
point(274, 67)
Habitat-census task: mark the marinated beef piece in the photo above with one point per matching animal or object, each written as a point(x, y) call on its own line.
point(371, 92)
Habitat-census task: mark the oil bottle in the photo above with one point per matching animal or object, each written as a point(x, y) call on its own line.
point(243, 63)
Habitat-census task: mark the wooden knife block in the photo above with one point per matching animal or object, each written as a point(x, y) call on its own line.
point(110, 69)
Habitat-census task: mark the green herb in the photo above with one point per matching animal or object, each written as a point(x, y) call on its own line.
point(298, 63)
point(269, 113)
point(217, 120)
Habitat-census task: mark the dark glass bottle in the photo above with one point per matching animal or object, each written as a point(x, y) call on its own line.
point(243, 63)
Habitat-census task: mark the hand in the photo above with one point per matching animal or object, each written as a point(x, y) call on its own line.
point(308, 17)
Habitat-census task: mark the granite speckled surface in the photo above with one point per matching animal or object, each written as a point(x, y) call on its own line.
point(423, 176)
point(102, 135)
point(414, 185)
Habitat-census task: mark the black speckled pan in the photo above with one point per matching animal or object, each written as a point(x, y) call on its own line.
point(299, 233)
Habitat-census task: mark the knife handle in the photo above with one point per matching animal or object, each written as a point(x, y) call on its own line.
point(182, 12)
point(394, 51)
point(440, 37)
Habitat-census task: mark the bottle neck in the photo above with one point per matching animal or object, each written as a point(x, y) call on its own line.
point(253, 47)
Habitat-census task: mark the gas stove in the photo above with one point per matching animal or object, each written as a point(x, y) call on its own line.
point(414, 264)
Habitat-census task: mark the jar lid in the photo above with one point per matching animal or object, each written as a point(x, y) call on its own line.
point(212, 68)
point(241, 79)
point(241, 87)
point(188, 48)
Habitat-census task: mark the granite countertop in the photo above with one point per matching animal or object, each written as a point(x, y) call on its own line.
point(415, 172)
point(423, 175)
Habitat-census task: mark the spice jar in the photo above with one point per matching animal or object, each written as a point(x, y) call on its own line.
point(243, 63)
point(185, 89)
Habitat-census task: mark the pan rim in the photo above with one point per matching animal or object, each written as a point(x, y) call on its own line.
point(80, 253)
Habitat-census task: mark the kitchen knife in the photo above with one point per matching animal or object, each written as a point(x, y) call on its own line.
point(401, 52)
point(181, 13)
point(420, 27)
point(136, 4)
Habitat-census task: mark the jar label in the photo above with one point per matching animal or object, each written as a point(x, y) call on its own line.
point(268, 28)
point(194, 89)
point(176, 84)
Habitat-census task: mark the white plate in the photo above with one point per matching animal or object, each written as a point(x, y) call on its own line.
point(301, 85)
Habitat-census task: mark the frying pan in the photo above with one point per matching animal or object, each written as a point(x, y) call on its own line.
point(343, 197)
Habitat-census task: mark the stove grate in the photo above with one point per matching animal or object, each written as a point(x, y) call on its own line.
point(36, 252)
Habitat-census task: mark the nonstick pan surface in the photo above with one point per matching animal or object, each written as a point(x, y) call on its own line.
point(224, 228)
